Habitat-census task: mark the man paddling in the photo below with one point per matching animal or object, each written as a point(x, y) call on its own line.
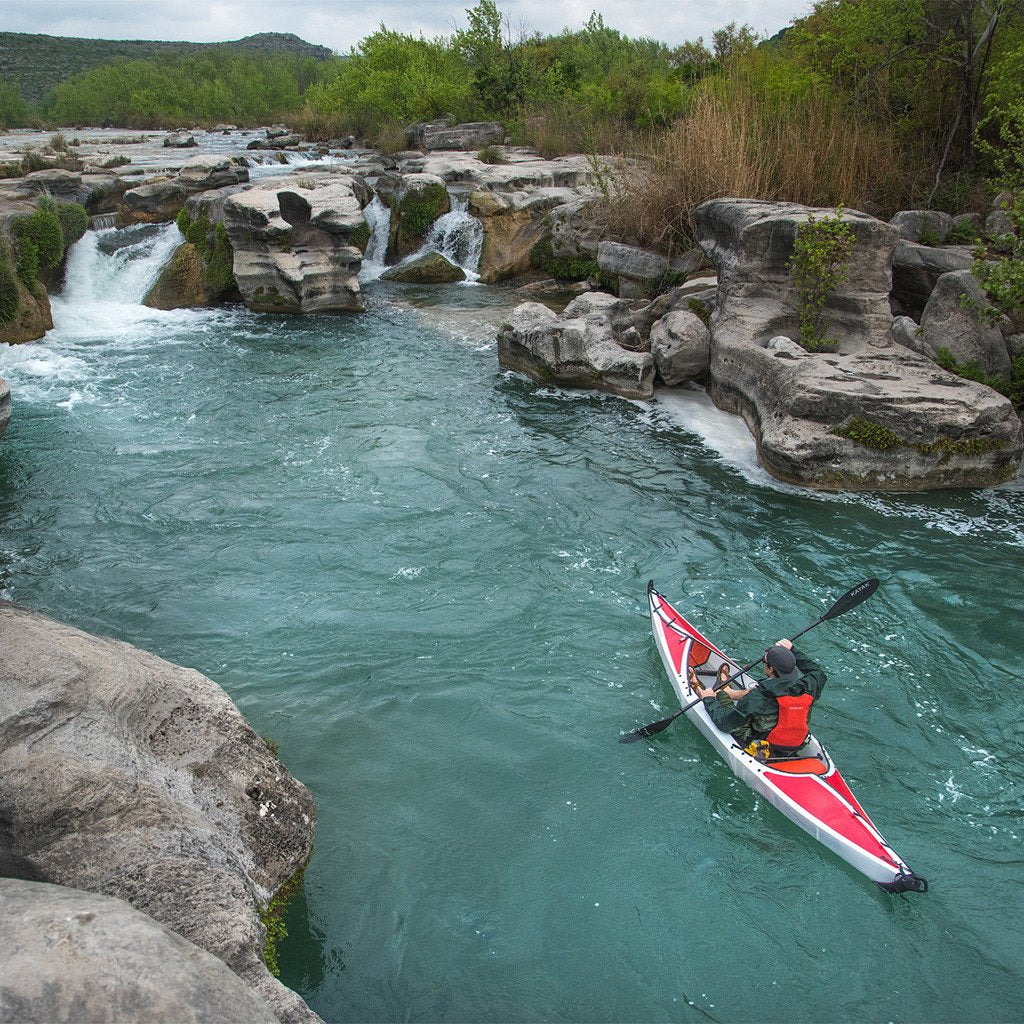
point(776, 709)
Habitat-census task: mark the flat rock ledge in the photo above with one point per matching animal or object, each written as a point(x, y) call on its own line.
point(126, 776)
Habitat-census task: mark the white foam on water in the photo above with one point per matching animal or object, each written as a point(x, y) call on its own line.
point(727, 437)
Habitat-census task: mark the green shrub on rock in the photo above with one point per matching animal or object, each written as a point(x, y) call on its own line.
point(27, 263)
point(74, 220)
point(9, 301)
point(418, 209)
point(818, 266)
point(43, 230)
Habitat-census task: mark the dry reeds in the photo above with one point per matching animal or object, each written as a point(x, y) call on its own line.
point(739, 140)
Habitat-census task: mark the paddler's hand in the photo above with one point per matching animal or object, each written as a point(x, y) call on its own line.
point(788, 644)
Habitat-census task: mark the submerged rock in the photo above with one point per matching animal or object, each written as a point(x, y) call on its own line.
point(430, 268)
point(132, 777)
point(78, 956)
point(5, 405)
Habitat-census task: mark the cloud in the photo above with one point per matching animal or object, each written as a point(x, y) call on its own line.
point(340, 24)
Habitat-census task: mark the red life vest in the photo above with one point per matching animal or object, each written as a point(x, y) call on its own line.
point(792, 728)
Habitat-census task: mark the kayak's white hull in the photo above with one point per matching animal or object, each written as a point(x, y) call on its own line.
point(816, 799)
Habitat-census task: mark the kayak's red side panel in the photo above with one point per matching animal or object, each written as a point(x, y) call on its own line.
point(701, 649)
point(810, 794)
point(838, 783)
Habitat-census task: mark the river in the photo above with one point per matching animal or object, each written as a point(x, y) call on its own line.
point(425, 579)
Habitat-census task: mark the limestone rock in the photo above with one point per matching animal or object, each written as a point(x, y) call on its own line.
point(207, 173)
point(916, 270)
point(78, 956)
point(929, 226)
point(871, 416)
point(948, 324)
point(998, 223)
point(153, 203)
point(292, 241)
point(430, 268)
point(751, 241)
point(132, 777)
point(628, 261)
point(681, 346)
point(906, 332)
point(446, 136)
point(31, 321)
point(421, 200)
point(180, 284)
point(180, 140)
point(67, 186)
point(579, 349)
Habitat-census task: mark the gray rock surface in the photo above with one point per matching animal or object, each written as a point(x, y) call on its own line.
point(472, 135)
point(949, 324)
point(152, 203)
point(430, 268)
point(125, 775)
point(924, 428)
point(923, 225)
point(291, 240)
point(207, 173)
point(5, 405)
point(907, 332)
point(180, 140)
point(997, 222)
point(581, 348)
point(916, 270)
point(681, 346)
point(636, 269)
point(78, 956)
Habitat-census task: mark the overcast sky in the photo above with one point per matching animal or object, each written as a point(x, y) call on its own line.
point(341, 23)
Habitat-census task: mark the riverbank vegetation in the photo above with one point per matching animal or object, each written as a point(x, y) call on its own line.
point(878, 104)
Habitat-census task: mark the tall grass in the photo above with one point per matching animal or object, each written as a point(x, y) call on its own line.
point(739, 139)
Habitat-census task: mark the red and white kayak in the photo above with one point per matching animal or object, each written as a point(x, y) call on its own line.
point(806, 786)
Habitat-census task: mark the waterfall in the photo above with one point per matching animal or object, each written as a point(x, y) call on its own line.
point(459, 237)
point(378, 217)
point(108, 275)
point(102, 221)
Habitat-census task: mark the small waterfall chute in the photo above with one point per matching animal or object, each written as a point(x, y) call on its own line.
point(378, 217)
point(459, 237)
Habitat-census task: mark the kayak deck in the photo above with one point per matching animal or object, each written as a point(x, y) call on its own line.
point(805, 786)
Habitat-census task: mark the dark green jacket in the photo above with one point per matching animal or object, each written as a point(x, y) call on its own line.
point(754, 715)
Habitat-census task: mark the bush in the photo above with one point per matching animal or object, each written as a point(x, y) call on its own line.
point(9, 301)
point(818, 266)
point(27, 264)
point(74, 221)
point(492, 155)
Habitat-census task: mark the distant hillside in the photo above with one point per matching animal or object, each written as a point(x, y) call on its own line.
point(36, 63)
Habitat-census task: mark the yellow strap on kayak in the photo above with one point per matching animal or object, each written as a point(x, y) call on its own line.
point(759, 750)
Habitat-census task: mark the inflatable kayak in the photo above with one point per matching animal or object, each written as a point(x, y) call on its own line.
point(805, 786)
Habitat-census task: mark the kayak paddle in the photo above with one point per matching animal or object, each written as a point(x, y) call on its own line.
point(853, 597)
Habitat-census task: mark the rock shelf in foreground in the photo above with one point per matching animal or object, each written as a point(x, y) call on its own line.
point(124, 775)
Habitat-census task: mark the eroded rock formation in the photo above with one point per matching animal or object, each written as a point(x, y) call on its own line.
point(125, 775)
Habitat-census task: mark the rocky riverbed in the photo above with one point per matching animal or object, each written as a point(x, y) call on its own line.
point(287, 228)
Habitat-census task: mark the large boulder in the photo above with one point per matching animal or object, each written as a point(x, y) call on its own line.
point(580, 349)
point(180, 140)
point(953, 320)
point(916, 270)
point(872, 415)
point(446, 136)
point(153, 203)
point(66, 186)
point(185, 281)
point(207, 173)
point(129, 776)
point(31, 320)
point(420, 200)
point(430, 268)
point(78, 956)
point(681, 346)
point(751, 241)
point(295, 242)
point(930, 227)
point(638, 270)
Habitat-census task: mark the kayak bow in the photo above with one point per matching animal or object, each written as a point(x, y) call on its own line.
point(806, 787)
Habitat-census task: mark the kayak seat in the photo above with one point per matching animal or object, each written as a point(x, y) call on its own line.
point(800, 766)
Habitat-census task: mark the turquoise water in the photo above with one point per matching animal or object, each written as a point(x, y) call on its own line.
point(426, 580)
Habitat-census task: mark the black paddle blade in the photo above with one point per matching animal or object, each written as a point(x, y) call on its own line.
point(853, 597)
point(649, 730)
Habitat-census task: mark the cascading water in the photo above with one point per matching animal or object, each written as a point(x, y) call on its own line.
point(378, 216)
point(459, 237)
point(108, 276)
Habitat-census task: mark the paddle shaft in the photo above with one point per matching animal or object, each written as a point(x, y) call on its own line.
point(853, 597)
